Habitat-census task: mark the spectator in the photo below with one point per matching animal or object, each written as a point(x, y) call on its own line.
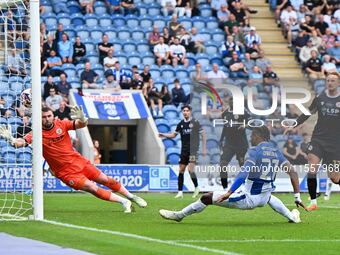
point(270, 79)
point(59, 33)
point(86, 6)
point(162, 52)
point(296, 4)
point(63, 112)
point(307, 24)
point(185, 40)
point(239, 12)
point(53, 64)
point(321, 26)
point(293, 153)
point(11, 25)
point(305, 53)
point(316, 40)
point(335, 51)
point(129, 7)
point(223, 16)
point(279, 6)
point(300, 41)
point(253, 51)
point(304, 145)
point(227, 49)
point(63, 87)
point(178, 54)
point(232, 22)
point(314, 67)
point(25, 128)
point(153, 96)
point(287, 14)
point(165, 95)
point(252, 37)
point(215, 73)
point(49, 45)
point(137, 81)
point(183, 7)
point(114, 6)
point(239, 38)
point(178, 94)
point(88, 77)
point(301, 12)
point(146, 75)
point(328, 39)
point(53, 100)
point(198, 75)
point(65, 49)
point(248, 62)
point(79, 51)
point(104, 48)
point(174, 26)
point(15, 64)
point(109, 61)
point(96, 152)
point(334, 26)
point(255, 75)
point(327, 65)
point(166, 35)
point(168, 7)
point(292, 30)
point(262, 61)
point(3, 109)
point(198, 41)
point(110, 82)
point(122, 76)
point(216, 6)
point(154, 37)
point(237, 69)
point(48, 85)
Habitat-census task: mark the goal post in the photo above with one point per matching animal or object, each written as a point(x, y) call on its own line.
point(20, 198)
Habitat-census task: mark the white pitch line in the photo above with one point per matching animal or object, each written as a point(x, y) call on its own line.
point(258, 240)
point(322, 206)
point(140, 237)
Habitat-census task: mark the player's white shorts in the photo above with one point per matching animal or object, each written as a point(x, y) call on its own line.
point(242, 200)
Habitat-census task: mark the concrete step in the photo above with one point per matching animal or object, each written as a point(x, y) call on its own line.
point(277, 49)
point(262, 12)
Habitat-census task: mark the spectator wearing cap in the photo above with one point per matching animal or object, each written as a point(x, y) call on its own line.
point(110, 82)
point(305, 53)
point(109, 61)
point(252, 37)
point(88, 77)
point(314, 67)
point(178, 94)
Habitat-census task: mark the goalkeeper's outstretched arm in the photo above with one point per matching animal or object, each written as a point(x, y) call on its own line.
point(78, 116)
point(6, 133)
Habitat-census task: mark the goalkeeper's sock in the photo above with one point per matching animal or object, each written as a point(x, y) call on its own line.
point(277, 205)
point(108, 196)
point(118, 187)
point(194, 207)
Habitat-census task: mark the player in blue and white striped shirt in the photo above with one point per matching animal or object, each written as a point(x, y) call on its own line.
point(255, 180)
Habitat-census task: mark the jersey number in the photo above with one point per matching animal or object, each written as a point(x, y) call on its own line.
point(269, 169)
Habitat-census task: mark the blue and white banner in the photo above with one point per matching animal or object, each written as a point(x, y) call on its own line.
point(123, 105)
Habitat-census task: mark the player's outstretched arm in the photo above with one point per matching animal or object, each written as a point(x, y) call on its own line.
point(168, 135)
point(78, 115)
point(6, 133)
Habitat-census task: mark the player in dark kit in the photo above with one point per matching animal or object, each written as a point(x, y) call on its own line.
point(233, 140)
point(325, 142)
point(190, 130)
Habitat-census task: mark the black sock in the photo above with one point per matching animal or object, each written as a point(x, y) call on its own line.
point(180, 181)
point(194, 179)
point(224, 179)
point(312, 185)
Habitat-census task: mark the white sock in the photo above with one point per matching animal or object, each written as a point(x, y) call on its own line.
point(277, 205)
point(116, 198)
point(313, 202)
point(328, 187)
point(194, 207)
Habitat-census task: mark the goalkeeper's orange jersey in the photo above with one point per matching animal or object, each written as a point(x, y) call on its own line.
point(57, 147)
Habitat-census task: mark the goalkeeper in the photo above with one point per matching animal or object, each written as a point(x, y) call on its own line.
point(67, 164)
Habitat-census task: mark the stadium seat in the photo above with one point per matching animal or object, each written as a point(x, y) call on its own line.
point(142, 46)
point(92, 56)
point(167, 71)
point(203, 59)
point(14, 121)
point(105, 20)
point(83, 32)
point(191, 58)
point(91, 20)
point(118, 20)
point(205, 33)
point(181, 72)
point(70, 70)
point(216, 59)
point(162, 125)
point(154, 9)
point(121, 58)
point(8, 154)
point(186, 22)
point(4, 86)
point(212, 142)
point(155, 72)
point(99, 8)
point(148, 58)
point(48, 8)
point(159, 21)
point(129, 46)
point(17, 87)
point(212, 23)
point(70, 31)
point(143, 8)
point(205, 10)
point(96, 34)
point(73, 6)
point(24, 155)
point(123, 33)
point(218, 35)
point(198, 22)
point(77, 19)
point(211, 48)
point(145, 21)
point(89, 45)
point(50, 19)
point(169, 143)
point(137, 34)
point(110, 32)
point(64, 19)
point(132, 21)
point(173, 155)
point(15, 79)
point(134, 58)
point(170, 112)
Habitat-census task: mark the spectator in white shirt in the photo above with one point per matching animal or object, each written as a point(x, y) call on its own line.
point(109, 61)
point(287, 14)
point(327, 65)
point(162, 52)
point(168, 7)
point(178, 54)
point(216, 73)
point(53, 100)
point(251, 37)
point(16, 65)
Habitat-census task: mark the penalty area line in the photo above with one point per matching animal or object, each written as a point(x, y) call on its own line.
point(258, 240)
point(140, 237)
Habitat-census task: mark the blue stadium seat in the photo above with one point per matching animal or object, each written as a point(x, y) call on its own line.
point(170, 112)
point(21, 44)
point(17, 87)
point(212, 142)
point(70, 70)
point(186, 22)
point(96, 34)
point(191, 58)
point(198, 22)
point(118, 46)
point(142, 46)
point(4, 86)
point(212, 23)
point(162, 125)
point(8, 154)
point(167, 71)
point(105, 20)
point(50, 19)
point(134, 58)
point(216, 59)
point(148, 58)
point(132, 21)
point(173, 155)
point(181, 72)
point(145, 21)
point(110, 32)
point(155, 72)
point(123, 33)
point(83, 32)
point(205, 33)
point(73, 6)
point(143, 8)
point(91, 20)
point(48, 8)
point(154, 9)
point(14, 121)
point(70, 31)
point(64, 19)
point(129, 46)
point(205, 10)
point(203, 59)
point(137, 34)
point(99, 8)
point(89, 45)
point(218, 35)
point(118, 20)
point(77, 19)
point(121, 58)
point(211, 48)
point(169, 143)
point(92, 56)
point(160, 22)
point(15, 79)
point(24, 155)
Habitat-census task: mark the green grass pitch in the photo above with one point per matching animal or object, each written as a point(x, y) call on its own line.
point(259, 231)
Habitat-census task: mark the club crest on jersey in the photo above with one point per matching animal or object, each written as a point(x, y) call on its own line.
point(71, 182)
point(338, 104)
point(191, 125)
point(236, 117)
point(310, 147)
point(59, 131)
point(322, 103)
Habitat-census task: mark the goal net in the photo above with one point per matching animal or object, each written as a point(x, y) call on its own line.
point(16, 175)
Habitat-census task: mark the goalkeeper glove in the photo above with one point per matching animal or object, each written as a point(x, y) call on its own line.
point(6, 133)
point(298, 201)
point(77, 113)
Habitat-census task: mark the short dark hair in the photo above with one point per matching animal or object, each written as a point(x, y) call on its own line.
point(262, 132)
point(186, 106)
point(46, 109)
